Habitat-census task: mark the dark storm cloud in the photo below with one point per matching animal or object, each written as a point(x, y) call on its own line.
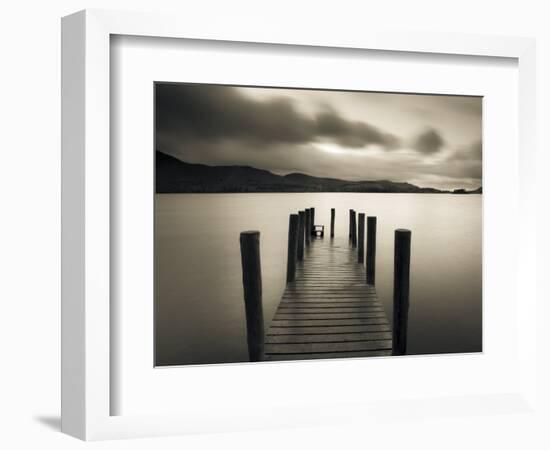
point(352, 134)
point(428, 142)
point(212, 113)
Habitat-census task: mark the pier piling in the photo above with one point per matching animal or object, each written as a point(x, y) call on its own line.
point(401, 279)
point(307, 226)
point(371, 250)
point(353, 228)
point(301, 232)
point(361, 239)
point(252, 286)
point(292, 247)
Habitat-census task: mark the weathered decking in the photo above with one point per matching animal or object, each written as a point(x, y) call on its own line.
point(328, 311)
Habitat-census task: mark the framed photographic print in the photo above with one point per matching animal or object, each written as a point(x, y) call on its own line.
point(232, 158)
point(254, 217)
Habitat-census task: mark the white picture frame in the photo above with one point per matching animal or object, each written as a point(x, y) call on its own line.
point(86, 221)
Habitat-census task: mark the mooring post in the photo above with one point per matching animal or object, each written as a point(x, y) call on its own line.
point(307, 226)
point(353, 228)
point(371, 249)
point(361, 238)
point(292, 247)
point(332, 217)
point(401, 277)
point(301, 232)
point(312, 231)
point(350, 221)
point(252, 286)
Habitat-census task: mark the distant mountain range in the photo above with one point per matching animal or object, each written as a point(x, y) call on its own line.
point(176, 176)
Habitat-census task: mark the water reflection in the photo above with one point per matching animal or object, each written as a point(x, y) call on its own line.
point(200, 314)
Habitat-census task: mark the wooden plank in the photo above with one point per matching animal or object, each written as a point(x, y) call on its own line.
point(328, 296)
point(328, 329)
point(329, 287)
point(335, 294)
point(317, 338)
point(331, 322)
point(349, 269)
point(291, 307)
point(325, 296)
point(300, 357)
point(330, 276)
point(318, 276)
point(330, 273)
point(309, 266)
point(328, 261)
point(331, 279)
point(327, 283)
point(329, 347)
point(335, 297)
point(328, 309)
point(323, 263)
point(328, 315)
point(329, 303)
point(330, 312)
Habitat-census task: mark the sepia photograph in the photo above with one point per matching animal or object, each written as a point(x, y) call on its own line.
point(295, 224)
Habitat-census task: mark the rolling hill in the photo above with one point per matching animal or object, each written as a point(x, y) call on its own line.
point(176, 176)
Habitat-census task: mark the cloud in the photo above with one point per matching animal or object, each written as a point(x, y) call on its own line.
point(467, 160)
point(429, 142)
point(213, 113)
point(472, 152)
point(219, 112)
point(289, 131)
point(352, 134)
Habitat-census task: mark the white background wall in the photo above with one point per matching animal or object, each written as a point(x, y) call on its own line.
point(29, 225)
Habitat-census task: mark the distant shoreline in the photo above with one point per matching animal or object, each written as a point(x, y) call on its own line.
point(173, 176)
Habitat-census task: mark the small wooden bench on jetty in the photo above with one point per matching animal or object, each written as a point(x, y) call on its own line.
point(330, 308)
point(319, 231)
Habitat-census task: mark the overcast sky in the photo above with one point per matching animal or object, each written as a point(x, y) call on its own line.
point(426, 140)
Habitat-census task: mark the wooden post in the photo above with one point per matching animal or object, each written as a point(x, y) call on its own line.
point(252, 286)
point(307, 226)
point(350, 221)
point(292, 247)
point(312, 231)
point(371, 249)
point(361, 239)
point(401, 276)
point(301, 232)
point(332, 217)
point(353, 229)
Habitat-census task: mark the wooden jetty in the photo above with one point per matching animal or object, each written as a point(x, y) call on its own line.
point(328, 311)
point(329, 308)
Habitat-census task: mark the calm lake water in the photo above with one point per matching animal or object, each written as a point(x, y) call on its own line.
point(200, 312)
